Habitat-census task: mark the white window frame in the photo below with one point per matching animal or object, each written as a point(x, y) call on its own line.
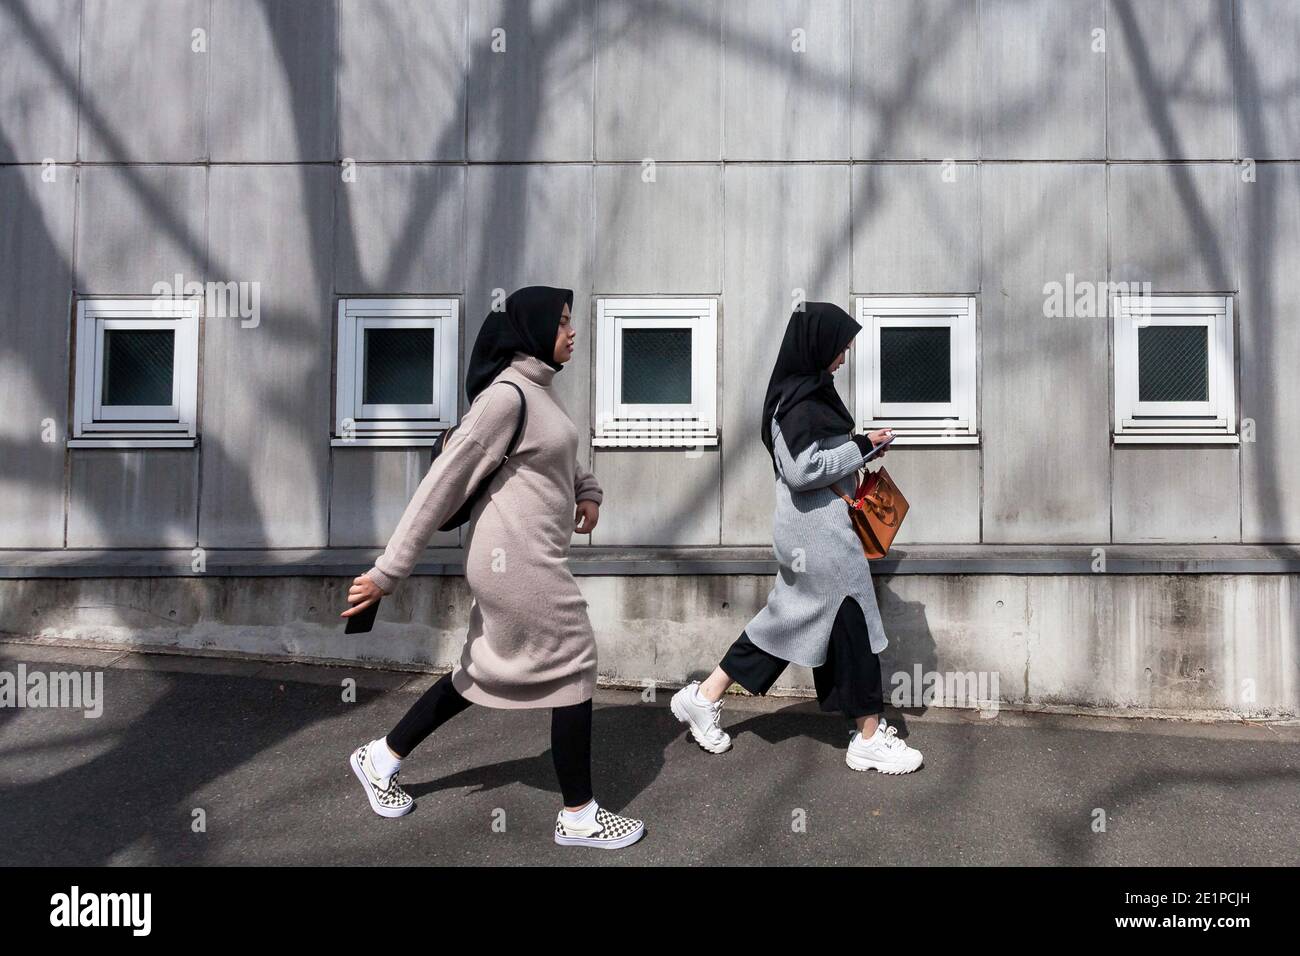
point(922, 423)
point(358, 423)
point(95, 425)
point(623, 425)
point(1209, 422)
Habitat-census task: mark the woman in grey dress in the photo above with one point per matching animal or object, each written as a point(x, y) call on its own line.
point(821, 611)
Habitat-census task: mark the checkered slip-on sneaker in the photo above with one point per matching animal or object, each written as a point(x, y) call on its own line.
point(386, 798)
point(609, 831)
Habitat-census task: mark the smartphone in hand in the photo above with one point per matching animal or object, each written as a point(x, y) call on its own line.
point(363, 622)
point(877, 449)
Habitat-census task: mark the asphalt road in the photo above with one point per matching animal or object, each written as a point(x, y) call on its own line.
point(257, 753)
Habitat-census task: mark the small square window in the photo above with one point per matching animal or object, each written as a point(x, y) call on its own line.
point(656, 372)
point(914, 368)
point(397, 371)
point(136, 381)
point(1173, 369)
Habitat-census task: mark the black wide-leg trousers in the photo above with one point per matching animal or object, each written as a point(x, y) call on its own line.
point(849, 681)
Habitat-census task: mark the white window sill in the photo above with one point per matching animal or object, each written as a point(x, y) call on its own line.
point(961, 440)
point(1176, 439)
point(132, 442)
point(655, 442)
point(372, 441)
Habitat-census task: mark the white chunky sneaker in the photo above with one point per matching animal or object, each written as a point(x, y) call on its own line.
point(702, 717)
point(606, 831)
point(883, 751)
point(386, 797)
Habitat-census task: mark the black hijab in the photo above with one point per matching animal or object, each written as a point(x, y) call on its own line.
point(801, 393)
point(529, 324)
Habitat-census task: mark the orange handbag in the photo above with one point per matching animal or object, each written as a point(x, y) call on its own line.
point(877, 510)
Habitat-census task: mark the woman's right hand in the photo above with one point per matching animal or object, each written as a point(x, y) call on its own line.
point(363, 593)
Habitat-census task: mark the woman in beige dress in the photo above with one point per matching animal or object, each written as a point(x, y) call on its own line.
point(530, 642)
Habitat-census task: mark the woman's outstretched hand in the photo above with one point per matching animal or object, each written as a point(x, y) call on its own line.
point(363, 593)
point(586, 516)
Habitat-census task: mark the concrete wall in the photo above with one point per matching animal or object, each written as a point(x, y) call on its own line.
point(1189, 643)
point(981, 147)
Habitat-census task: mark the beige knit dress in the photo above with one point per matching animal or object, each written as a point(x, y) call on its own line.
point(530, 641)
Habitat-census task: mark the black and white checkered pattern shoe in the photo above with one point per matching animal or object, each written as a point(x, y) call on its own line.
point(386, 798)
point(609, 831)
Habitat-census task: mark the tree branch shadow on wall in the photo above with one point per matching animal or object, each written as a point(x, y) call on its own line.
point(502, 219)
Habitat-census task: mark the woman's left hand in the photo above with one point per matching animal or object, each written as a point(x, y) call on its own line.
point(879, 435)
point(586, 516)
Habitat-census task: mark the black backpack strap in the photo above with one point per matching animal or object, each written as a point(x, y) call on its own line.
point(441, 440)
point(519, 425)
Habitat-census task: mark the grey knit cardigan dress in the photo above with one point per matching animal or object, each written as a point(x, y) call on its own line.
point(821, 560)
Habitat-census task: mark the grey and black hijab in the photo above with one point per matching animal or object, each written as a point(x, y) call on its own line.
point(801, 393)
point(528, 324)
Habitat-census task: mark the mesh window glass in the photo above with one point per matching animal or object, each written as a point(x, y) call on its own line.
point(915, 364)
point(138, 366)
point(656, 367)
point(1173, 363)
point(398, 367)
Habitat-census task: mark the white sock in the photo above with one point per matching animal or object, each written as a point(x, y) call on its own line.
point(382, 759)
point(700, 698)
point(586, 815)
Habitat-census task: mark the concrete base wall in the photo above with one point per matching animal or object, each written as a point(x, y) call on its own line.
point(1184, 643)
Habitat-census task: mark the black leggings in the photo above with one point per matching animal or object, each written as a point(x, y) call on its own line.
point(570, 735)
